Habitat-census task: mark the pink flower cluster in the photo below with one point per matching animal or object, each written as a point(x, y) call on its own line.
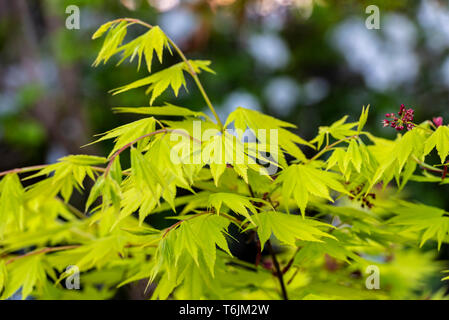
point(404, 119)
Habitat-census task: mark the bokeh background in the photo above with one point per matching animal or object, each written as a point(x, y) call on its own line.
point(305, 61)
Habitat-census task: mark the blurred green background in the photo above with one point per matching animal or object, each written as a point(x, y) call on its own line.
point(308, 62)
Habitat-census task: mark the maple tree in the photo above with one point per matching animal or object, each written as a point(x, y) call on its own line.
point(317, 222)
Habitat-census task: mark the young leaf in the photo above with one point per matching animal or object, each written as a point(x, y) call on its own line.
point(440, 140)
point(103, 28)
point(160, 81)
point(201, 235)
point(114, 38)
point(145, 45)
point(95, 254)
point(109, 189)
point(338, 248)
point(3, 275)
point(354, 156)
point(237, 203)
point(301, 181)
point(128, 133)
point(25, 274)
point(11, 202)
point(433, 222)
point(363, 119)
point(167, 110)
point(338, 130)
point(256, 121)
point(288, 228)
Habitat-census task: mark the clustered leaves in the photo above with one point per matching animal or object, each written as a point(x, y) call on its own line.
point(323, 218)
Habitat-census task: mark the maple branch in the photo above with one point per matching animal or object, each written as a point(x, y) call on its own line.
point(290, 262)
point(425, 166)
point(24, 169)
point(42, 251)
point(278, 270)
point(37, 168)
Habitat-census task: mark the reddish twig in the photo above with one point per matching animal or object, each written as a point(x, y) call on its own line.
point(278, 270)
point(290, 262)
point(24, 169)
point(36, 168)
point(42, 251)
point(181, 221)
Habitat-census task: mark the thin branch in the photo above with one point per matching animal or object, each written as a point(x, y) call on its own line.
point(231, 218)
point(181, 221)
point(278, 270)
point(425, 166)
point(293, 276)
point(24, 169)
point(329, 147)
point(290, 262)
point(42, 251)
point(39, 167)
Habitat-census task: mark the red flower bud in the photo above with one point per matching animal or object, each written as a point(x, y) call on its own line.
point(438, 121)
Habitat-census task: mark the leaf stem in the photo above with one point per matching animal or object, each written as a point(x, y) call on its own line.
point(293, 276)
point(427, 167)
point(181, 221)
point(71, 208)
point(198, 82)
point(422, 128)
point(290, 262)
point(329, 147)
